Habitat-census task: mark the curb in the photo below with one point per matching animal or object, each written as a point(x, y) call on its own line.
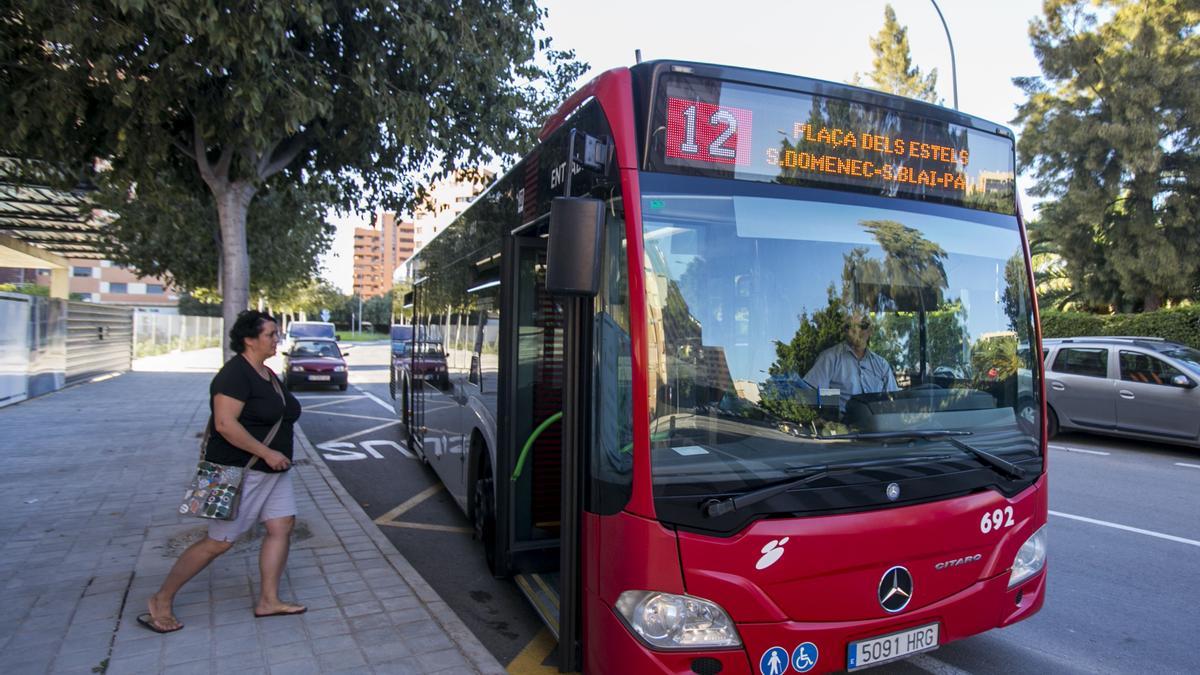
point(464, 639)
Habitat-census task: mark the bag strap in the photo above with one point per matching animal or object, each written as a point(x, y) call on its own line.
point(270, 434)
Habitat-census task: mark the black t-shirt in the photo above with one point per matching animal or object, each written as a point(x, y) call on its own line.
point(237, 379)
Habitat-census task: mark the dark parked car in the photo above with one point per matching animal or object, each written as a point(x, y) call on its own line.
point(1125, 386)
point(315, 361)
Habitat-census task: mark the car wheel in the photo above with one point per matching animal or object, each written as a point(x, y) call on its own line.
point(392, 383)
point(1051, 423)
point(342, 387)
point(1027, 415)
point(485, 512)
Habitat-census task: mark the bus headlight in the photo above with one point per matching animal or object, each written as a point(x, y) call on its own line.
point(1030, 559)
point(669, 621)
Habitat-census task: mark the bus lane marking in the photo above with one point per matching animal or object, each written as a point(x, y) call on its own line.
point(364, 431)
point(335, 401)
point(390, 518)
point(348, 451)
point(337, 414)
point(1136, 530)
point(531, 658)
point(375, 398)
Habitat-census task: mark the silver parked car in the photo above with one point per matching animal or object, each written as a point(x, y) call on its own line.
point(1125, 386)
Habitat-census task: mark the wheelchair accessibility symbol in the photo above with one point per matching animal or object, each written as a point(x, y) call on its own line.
point(805, 657)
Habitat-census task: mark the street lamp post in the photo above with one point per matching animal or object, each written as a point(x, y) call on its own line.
point(953, 66)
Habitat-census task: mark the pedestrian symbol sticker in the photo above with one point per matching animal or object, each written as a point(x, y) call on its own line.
point(805, 657)
point(774, 661)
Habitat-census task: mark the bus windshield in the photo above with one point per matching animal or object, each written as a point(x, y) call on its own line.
point(800, 327)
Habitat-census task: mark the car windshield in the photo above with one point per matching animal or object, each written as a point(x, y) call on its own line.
point(1186, 356)
point(316, 348)
point(787, 333)
point(296, 330)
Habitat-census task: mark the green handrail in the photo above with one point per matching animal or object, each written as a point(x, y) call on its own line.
point(529, 444)
point(659, 436)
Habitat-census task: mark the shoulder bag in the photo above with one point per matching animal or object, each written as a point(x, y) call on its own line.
point(216, 489)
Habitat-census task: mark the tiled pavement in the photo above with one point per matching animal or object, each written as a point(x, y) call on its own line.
point(90, 482)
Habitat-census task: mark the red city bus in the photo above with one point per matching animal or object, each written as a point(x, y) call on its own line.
point(733, 373)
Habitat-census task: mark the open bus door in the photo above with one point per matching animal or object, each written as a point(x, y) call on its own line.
point(540, 467)
point(531, 461)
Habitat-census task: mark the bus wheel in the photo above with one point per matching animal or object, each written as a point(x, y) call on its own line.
point(485, 512)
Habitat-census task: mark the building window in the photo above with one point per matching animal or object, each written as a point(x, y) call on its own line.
point(118, 288)
point(154, 289)
point(81, 271)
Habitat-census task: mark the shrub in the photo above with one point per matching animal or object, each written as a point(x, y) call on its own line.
point(1178, 324)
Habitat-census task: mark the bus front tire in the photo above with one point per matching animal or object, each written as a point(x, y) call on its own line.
point(485, 513)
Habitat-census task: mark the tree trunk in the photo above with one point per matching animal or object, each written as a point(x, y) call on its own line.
point(1152, 302)
point(233, 202)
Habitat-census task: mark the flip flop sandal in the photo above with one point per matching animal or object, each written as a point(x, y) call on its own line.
point(147, 621)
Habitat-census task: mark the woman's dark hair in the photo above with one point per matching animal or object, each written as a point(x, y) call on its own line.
point(249, 324)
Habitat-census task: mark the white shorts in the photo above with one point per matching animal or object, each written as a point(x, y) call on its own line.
point(265, 496)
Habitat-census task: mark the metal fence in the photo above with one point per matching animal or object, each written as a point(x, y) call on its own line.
point(161, 333)
point(98, 340)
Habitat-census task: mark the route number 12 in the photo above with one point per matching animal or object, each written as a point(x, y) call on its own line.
point(708, 133)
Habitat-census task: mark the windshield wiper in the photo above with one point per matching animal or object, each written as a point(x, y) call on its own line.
point(1001, 465)
point(719, 507)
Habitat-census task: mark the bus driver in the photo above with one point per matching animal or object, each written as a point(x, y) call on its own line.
point(850, 367)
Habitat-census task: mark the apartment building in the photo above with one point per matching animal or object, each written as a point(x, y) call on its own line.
point(105, 282)
point(378, 251)
point(447, 199)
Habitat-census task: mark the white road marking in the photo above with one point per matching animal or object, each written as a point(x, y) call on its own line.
point(325, 397)
point(1190, 466)
point(364, 431)
point(375, 398)
point(1117, 526)
point(360, 417)
point(929, 664)
point(1070, 449)
point(337, 401)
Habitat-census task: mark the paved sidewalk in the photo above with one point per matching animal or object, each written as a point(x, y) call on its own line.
point(91, 479)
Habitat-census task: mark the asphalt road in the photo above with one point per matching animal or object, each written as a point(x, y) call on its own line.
point(1124, 559)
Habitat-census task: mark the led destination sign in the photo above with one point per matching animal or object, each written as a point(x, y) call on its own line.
point(754, 133)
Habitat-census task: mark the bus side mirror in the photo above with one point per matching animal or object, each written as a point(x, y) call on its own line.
point(573, 254)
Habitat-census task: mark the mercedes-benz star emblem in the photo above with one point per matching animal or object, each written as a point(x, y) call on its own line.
point(895, 589)
point(893, 491)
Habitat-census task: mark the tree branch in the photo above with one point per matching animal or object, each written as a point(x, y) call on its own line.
point(201, 155)
point(180, 146)
point(222, 168)
point(283, 156)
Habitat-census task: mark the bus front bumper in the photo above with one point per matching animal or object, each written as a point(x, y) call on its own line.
point(985, 605)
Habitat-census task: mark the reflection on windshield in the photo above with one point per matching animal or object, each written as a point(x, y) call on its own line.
point(779, 325)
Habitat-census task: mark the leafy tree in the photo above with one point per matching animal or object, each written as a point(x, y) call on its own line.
point(169, 229)
point(892, 69)
point(1110, 133)
point(357, 96)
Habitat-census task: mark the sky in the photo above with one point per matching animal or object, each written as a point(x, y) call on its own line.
point(823, 40)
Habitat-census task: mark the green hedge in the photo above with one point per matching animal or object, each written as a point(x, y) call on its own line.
point(1181, 324)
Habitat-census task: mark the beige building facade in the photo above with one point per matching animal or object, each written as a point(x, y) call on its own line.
point(104, 282)
point(378, 251)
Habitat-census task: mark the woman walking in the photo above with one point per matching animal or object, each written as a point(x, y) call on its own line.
point(247, 402)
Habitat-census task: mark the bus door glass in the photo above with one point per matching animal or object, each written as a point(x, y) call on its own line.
point(535, 406)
